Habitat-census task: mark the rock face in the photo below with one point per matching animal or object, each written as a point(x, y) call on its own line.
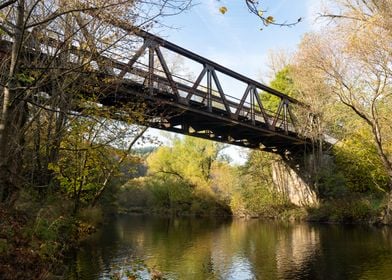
point(288, 182)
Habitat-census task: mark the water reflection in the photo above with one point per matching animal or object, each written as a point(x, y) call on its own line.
point(294, 250)
point(209, 249)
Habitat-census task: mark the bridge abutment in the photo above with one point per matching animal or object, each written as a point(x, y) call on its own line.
point(288, 182)
point(297, 177)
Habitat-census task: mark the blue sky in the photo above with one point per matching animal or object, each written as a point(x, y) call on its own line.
point(235, 40)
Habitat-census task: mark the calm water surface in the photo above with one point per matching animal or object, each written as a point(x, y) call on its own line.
point(186, 248)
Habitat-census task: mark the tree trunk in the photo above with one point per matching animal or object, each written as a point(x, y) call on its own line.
point(13, 116)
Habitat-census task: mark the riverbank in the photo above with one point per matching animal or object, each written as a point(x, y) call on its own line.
point(35, 236)
point(19, 252)
point(28, 248)
point(358, 209)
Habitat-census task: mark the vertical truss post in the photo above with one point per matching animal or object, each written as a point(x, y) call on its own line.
point(293, 119)
point(185, 128)
point(252, 109)
point(285, 119)
point(209, 89)
point(151, 69)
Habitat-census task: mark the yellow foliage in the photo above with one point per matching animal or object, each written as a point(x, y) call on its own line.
point(269, 19)
point(223, 10)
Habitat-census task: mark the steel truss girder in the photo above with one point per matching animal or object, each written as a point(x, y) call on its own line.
point(249, 112)
point(283, 115)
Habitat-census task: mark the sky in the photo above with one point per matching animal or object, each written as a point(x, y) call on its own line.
point(235, 40)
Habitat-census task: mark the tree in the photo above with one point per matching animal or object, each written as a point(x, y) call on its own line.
point(375, 12)
point(256, 192)
point(353, 59)
point(90, 156)
point(356, 157)
point(189, 160)
point(189, 176)
point(40, 90)
point(282, 82)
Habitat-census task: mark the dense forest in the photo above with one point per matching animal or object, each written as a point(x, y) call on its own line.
point(66, 164)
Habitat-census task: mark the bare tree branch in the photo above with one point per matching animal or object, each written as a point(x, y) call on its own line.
point(6, 4)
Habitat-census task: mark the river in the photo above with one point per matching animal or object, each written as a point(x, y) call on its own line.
point(198, 249)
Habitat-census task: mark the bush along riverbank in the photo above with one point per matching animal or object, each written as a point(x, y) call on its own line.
point(139, 197)
point(357, 209)
point(349, 209)
point(36, 234)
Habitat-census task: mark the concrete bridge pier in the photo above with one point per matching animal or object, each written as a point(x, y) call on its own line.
point(292, 186)
point(294, 177)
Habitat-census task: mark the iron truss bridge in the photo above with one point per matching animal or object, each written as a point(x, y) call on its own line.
point(193, 104)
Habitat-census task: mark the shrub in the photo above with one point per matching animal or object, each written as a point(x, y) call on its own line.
point(352, 209)
point(91, 215)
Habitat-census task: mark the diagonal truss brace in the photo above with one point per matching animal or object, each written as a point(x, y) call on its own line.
point(153, 49)
point(285, 113)
point(254, 96)
point(210, 72)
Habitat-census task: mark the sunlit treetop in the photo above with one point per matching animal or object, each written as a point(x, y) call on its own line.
point(255, 8)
